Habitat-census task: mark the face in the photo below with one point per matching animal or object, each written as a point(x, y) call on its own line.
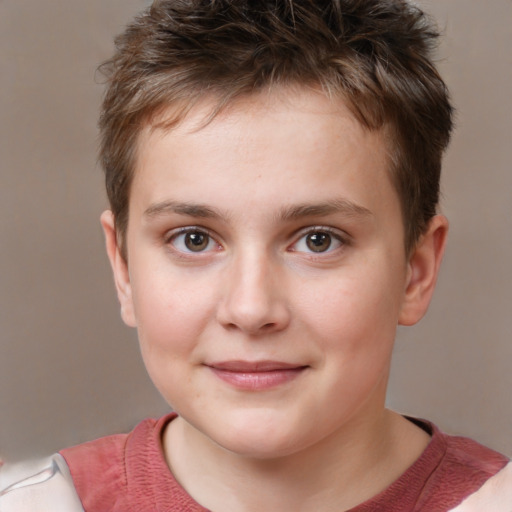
point(266, 271)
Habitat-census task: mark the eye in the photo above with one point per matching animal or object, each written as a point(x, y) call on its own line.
point(318, 241)
point(192, 240)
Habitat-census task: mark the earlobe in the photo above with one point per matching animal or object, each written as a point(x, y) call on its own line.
point(119, 268)
point(423, 269)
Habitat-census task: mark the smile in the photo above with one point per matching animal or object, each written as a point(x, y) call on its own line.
point(256, 376)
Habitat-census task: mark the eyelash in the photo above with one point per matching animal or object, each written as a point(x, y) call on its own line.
point(335, 237)
point(190, 230)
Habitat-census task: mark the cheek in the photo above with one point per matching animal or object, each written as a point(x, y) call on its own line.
point(170, 327)
point(355, 309)
point(171, 312)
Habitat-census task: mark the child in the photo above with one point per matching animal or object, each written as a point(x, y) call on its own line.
point(273, 175)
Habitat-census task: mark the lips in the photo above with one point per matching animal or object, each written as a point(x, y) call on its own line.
point(256, 375)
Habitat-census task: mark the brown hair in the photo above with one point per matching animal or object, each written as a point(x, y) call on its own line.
point(375, 54)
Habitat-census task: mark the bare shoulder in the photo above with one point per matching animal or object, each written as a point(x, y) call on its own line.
point(33, 486)
point(495, 494)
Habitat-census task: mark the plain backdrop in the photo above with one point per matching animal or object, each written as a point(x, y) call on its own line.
point(70, 371)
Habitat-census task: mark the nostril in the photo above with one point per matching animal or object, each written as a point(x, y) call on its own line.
point(252, 329)
point(252, 305)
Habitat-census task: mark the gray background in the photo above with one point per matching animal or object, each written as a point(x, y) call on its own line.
point(70, 371)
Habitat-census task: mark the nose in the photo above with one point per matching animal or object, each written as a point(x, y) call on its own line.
point(254, 299)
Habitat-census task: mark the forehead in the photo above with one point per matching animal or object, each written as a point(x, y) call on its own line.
point(293, 101)
point(294, 135)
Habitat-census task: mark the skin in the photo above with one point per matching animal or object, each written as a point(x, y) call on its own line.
point(255, 189)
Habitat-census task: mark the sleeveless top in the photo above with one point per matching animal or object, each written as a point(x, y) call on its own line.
point(128, 472)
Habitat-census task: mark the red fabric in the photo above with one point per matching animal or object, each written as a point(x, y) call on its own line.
point(128, 472)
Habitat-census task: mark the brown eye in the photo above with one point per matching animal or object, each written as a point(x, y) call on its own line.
point(196, 241)
point(318, 241)
point(191, 240)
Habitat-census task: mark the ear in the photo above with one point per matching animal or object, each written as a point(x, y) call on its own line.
point(119, 268)
point(423, 268)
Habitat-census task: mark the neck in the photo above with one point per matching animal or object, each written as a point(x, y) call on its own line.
point(343, 470)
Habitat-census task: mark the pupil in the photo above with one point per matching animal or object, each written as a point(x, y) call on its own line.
point(196, 241)
point(318, 242)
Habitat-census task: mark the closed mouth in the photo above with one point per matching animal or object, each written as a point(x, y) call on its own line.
point(254, 366)
point(256, 375)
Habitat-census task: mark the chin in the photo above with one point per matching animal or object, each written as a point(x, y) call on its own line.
point(257, 437)
point(254, 447)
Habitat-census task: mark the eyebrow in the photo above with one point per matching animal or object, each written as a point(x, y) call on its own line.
point(190, 209)
point(288, 213)
point(343, 206)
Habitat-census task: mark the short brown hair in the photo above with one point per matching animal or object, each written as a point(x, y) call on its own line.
point(375, 54)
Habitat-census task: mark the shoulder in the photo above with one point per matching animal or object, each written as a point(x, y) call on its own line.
point(97, 468)
point(449, 471)
point(467, 461)
point(106, 471)
point(464, 469)
point(115, 473)
point(489, 471)
point(495, 494)
point(43, 484)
